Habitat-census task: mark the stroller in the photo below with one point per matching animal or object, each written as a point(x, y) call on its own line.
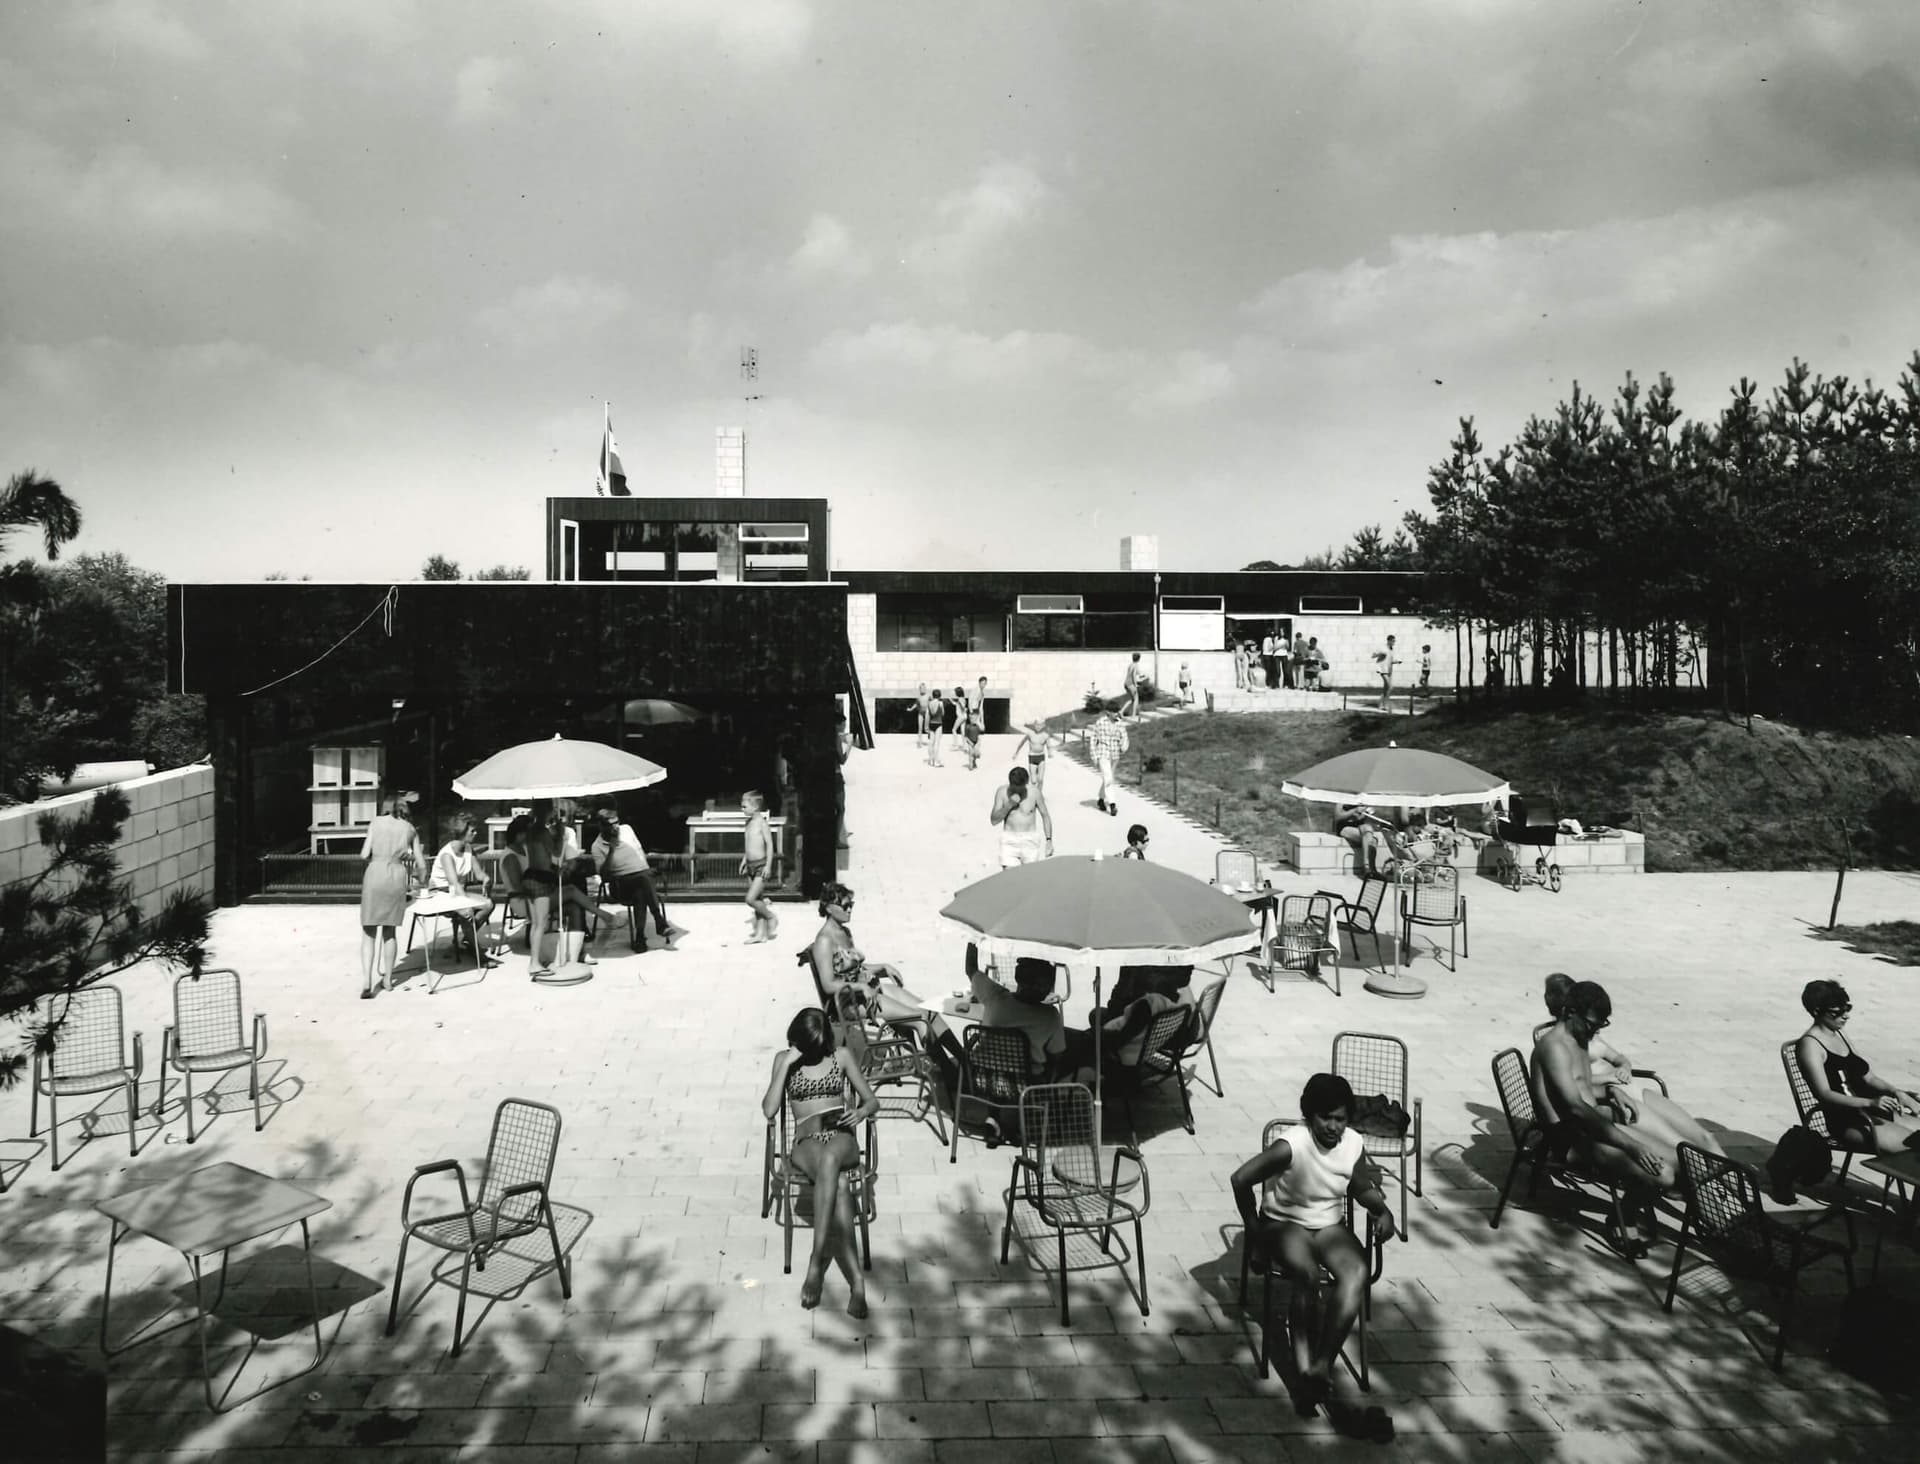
point(1527, 837)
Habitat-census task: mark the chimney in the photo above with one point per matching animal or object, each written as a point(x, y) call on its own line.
point(730, 461)
point(1140, 551)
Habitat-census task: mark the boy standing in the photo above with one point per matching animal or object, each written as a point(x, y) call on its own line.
point(757, 864)
point(1426, 668)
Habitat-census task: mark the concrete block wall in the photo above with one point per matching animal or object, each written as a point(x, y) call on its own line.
point(166, 844)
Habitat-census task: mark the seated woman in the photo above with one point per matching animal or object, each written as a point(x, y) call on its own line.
point(1653, 1116)
point(534, 872)
point(849, 983)
point(1351, 822)
point(1303, 1180)
point(457, 872)
point(830, 1099)
point(1863, 1110)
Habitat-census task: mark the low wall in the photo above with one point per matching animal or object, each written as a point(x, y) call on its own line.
point(1328, 854)
point(166, 845)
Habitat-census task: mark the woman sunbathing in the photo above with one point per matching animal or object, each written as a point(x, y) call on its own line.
point(849, 982)
point(1863, 1111)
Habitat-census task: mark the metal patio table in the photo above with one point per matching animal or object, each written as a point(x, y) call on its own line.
point(196, 1214)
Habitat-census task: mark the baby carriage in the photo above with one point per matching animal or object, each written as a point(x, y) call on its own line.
point(1526, 840)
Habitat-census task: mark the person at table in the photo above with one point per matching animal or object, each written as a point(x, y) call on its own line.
point(625, 875)
point(849, 983)
point(1292, 1198)
point(1864, 1110)
point(1657, 1117)
point(1027, 1008)
point(456, 871)
point(829, 1099)
point(390, 853)
point(539, 850)
point(1351, 822)
point(1568, 1106)
point(1025, 822)
point(1136, 843)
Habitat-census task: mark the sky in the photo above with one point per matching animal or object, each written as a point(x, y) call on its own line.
point(324, 289)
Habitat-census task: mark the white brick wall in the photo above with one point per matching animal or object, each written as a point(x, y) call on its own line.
point(166, 845)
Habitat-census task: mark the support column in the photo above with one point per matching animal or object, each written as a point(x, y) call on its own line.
point(227, 735)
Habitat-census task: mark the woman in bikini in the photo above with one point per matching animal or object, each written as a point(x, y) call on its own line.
point(830, 1099)
point(849, 982)
point(1863, 1111)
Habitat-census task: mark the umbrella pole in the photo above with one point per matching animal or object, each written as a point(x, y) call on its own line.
point(1099, 1099)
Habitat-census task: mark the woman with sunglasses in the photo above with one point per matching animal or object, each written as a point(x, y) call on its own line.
point(1863, 1111)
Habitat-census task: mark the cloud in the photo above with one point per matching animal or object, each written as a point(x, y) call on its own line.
point(974, 222)
point(754, 32)
point(141, 25)
point(479, 89)
point(557, 309)
point(123, 191)
point(1193, 379)
point(827, 252)
point(964, 356)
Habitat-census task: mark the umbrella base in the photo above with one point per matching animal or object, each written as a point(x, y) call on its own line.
point(1397, 985)
point(569, 975)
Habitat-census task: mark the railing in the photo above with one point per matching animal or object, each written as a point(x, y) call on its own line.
point(295, 876)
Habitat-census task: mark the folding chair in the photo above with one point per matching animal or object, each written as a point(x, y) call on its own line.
point(1376, 1064)
point(88, 1057)
point(1726, 1222)
point(1435, 902)
point(1376, 1266)
point(1159, 1061)
point(788, 1181)
point(1057, 1171)
point(1812, 1115)
point(1305, 941)
point(1361, 915)
point(208, 1035)
point(1530, 1146)
point(995, 1070)
point(513, 1202)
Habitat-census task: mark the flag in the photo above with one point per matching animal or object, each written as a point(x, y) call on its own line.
point(612, 477)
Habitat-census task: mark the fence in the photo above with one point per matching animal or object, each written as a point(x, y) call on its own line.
point(335, 878)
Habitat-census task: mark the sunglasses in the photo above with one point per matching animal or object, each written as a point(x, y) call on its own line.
point(1837, 1011)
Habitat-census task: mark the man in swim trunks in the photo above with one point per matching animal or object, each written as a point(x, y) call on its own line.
point(1576, 1125)
point(1026, 826)
point(1036, 747)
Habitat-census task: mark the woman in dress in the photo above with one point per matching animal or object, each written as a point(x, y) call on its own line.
point(830, 1099)
point(1864, 1111)
point(390, 851)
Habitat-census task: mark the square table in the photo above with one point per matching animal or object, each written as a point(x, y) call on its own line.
point(1903, 1170)
point(208, 1210)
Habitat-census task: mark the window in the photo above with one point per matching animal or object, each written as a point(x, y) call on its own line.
point(774, 551)
point(1048, 632)
point(1329, 604)
point(773, 533)
point(1204, 604)
point(1049, 605)
point(626, 562)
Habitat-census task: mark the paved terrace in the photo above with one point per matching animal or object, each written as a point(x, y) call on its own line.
point(684, 1342)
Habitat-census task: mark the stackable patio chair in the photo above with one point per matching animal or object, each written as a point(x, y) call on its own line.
point(1057, 1172)
point(1812, 1115)
point(1530, 1147)
point(893, 1059)
point(1435, 902)
point(1199, 1038)
point(786, 1182)
point(1361, 915)
point(1305, 941)
point(209, 1035)
point(1235, 869)
point(1376, 1250)
point(1726, 1222)
point(89, 1057)
point(1373, 1063)
point(513, 1201)
point(1163, 1047)
point(996, 1068)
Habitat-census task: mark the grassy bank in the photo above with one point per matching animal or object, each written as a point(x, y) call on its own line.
point(1707, 794)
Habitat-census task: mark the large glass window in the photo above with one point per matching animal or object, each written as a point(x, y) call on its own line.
point(696, 553)
point(773, 551)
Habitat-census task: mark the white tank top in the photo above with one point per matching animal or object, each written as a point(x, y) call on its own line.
point(1313, 1191)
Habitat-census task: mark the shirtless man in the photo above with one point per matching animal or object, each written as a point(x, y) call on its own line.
point(1563, 1092)
point(1025, 824)
point(1036, 747)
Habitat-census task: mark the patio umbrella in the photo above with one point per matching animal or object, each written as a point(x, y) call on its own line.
point(560, 767)
point(1395, 775)
point(1117, 912)
point(652, 711)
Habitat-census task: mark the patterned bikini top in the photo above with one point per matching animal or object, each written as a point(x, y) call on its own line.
point(829, 1085)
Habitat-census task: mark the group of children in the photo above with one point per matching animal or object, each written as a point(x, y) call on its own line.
point(961, 716)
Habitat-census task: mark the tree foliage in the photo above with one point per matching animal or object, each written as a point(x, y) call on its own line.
point(439, 567)
point(504, 572)
point(76, 923)
point(1785, 534)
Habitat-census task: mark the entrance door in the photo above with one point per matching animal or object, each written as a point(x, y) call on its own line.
point(569, 550)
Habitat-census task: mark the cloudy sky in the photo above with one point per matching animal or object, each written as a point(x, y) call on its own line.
point(323, 288)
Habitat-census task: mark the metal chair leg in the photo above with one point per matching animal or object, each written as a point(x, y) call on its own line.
point(191, 1133)
point(560, 1262)
point(1513, 1173)
point(1140, 1262)
point(1065, 1319)
point(253, 1087)
point(53, 1129)
point(460, 1311)
point(399, 1275)
point(133, 1103)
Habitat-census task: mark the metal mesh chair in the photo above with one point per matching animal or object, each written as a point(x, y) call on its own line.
point(1530, 1146)
point(513, 1202)
point(1726, 1222)
point(1812, 1115)
point(893, 1058)
point(1373, 1063)
point(89, 1056)
point(1305, 941)
point(995, 1069)
point(1376, 1267)
point(787, 1182)
point(1199, 1038)
point(1162, 1046)
point(1057, 1172)
point(209, 1035)
point(1435, 902)
point(1235, 869)
point(1361, 915)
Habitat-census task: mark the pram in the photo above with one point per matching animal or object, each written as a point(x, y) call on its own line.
point(1526, 835)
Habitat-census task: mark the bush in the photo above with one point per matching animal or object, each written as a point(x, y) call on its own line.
point(1156, 764)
